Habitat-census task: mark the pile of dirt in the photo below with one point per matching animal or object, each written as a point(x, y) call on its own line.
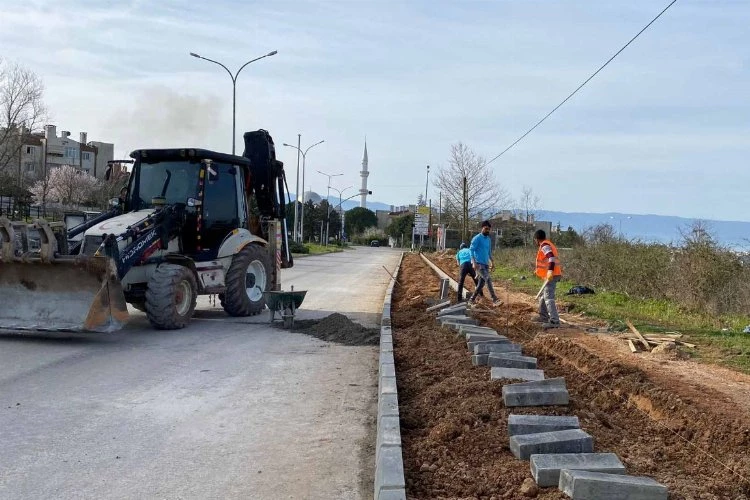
point(454, 424)
point(339, 329)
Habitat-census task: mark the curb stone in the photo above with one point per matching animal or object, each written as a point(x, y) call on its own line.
point(389, 463)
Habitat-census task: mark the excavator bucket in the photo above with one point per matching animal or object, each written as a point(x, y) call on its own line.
point(44, 292)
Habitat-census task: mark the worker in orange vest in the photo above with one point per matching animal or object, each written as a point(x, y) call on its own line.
point(549, 269)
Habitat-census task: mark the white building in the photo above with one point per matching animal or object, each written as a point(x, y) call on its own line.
point(41, 152)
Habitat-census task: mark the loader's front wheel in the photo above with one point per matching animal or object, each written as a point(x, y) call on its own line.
point(171, 297)
point(248, 277)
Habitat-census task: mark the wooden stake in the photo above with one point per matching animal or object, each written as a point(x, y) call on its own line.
point(632, 346)
point(643, 341)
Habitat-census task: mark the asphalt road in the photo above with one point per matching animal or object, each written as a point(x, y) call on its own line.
point(226, 408)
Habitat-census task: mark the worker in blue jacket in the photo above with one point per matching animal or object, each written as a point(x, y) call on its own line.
point(481, 260)
point(463, 258)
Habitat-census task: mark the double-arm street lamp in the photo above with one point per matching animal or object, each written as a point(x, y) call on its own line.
point(299, 235)
point(340, 191)
point(328, 203)
point(234, 87)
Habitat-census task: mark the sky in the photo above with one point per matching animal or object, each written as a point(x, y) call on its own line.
point(664, 129)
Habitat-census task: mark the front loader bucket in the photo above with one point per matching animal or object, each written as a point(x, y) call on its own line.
point(72, 293)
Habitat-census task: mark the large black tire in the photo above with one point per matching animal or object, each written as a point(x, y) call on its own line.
point(248, 277)
point(141, 306)
point(171, 297)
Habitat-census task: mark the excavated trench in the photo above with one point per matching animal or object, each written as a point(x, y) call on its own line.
point(454, 424)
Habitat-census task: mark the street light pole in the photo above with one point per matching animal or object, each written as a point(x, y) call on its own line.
point(328, 203)
point(304, 158)
point(339, 205)
point(427, 183)
point(234, 87)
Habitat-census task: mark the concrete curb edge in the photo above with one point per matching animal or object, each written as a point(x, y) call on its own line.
point(389, 464)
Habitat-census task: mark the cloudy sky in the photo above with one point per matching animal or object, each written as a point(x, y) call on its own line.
point(664, 129)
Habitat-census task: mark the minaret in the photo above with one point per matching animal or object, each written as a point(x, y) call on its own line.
point(364, 173)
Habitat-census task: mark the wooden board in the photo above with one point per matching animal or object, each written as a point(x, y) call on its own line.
point(632, 346)
point(638, 334)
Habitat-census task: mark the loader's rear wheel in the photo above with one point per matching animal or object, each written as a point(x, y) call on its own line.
point(248, 277)
point(171, 297)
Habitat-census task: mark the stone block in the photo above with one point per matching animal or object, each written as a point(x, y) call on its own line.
point(534, 424)
point(568, 441)
point(388, 405)
point(386, 346)
point(453, 310)
point(479, 359)
point(545, 469)
point(387, 370)
point(464, 329)
point(501, 360)
point(472, 345)
point(388, 434)
point(386, 357)
point(389, 470)
point(394, 494)
point(439, 305)
point(472, 337)
point(516, 373)
point(550, 392)
point(497, 348)
point(585, 485)
point(388, 385)
point(456, 319)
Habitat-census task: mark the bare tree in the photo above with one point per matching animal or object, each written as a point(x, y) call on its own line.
point(529, 204)
point(480, 195)
point(22, 110)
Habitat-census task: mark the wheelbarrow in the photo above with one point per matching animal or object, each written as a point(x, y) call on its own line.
point(285, 304)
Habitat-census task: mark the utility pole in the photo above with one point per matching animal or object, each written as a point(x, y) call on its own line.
point(297, 197)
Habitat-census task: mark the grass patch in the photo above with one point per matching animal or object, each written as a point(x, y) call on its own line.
point(719, 337)
point(315, 249)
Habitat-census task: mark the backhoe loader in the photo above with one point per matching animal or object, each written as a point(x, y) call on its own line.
point(193, 222)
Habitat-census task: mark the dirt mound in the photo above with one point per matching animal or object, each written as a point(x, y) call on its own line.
point(454, 424)
point(339, 329)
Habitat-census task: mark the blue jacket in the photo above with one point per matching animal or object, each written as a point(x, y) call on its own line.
point(481, 249)
point(463, 256)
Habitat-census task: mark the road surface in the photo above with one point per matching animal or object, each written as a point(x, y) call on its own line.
point(226, 408)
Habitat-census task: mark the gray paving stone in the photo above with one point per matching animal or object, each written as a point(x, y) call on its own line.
point(456, 319)
point(454, 309)
point(389, 470)
point(439, 305)
point(498, 348)
point(471, 337)
point(534, 424)
point(395, 494)
point(386, 357)
point(585, 485)
point(568, 441)
point(388, 385)
point(472, 345)
point(550, 392)
point(388, 405)
point(502, 360)
point(516, 373)
point(479, 359)
point(464, 329)
point(545, 469)
point(389, 433)
point(387, 370)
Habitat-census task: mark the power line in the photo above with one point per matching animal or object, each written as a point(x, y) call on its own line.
point(584, 83)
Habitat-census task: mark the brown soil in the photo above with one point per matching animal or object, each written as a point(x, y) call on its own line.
point(339, 329)
point(454, 426)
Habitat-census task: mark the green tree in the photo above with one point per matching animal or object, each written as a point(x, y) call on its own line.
point(567, 239)
point(400, 226)
point(358, 219)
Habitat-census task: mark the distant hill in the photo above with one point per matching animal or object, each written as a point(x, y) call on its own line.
point(652, 228)
point(354, 202)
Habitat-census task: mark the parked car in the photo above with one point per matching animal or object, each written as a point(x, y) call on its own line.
point(374, 243)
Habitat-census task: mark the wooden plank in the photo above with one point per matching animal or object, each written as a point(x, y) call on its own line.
point(661, 336)
point(686, 344)
point(638, 334)
point(632, 346)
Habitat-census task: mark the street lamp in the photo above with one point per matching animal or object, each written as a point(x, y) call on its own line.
point(340, 191)
point(234, 86)
point(302, 211)
point(427, 183)
point(328, 203)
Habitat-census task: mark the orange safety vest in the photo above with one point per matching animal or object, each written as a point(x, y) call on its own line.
point(542, 262)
